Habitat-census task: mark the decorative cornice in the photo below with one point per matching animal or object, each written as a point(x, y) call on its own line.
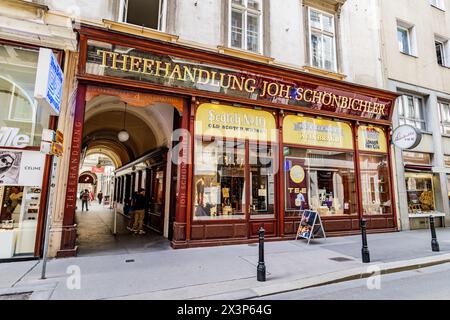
point(27, 4)
point(325, 73)
point(245, 55)
point(139, 31)
point(327, 5)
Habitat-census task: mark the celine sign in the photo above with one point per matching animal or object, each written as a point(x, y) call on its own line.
point(182, 73)
point(406, 137)
point(10, 137)
point(49, 82)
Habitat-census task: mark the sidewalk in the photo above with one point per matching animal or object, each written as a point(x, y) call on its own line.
point(227, 272)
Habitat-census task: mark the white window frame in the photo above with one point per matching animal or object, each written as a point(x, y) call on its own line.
point(443, 53)
point(408, 38)
point(444, 123)
point(445, 50)
point(417, 101)
point(322, 32)
point(162, 13)
point(439, 4)
point(411, 37)
point(246, 11)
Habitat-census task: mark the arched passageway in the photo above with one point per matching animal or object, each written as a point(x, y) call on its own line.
point(119, 167)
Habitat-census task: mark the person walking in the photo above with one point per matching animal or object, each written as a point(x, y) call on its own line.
point(139, 211)
point(85, 199)
point(100, 197)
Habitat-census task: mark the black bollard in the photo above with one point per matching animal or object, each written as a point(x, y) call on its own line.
point(261, 269)
point(434, 242)
point(365, 250)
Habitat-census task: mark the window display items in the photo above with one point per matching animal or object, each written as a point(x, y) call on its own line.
point(420, 193)
point(18, 216)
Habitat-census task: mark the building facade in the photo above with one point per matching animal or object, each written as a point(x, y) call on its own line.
point(25, 171)
point(416, 57)
point(302, 89)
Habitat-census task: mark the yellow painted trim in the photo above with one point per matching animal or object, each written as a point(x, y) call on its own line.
point(325, 73)
point(245, 54)
point(139, 31)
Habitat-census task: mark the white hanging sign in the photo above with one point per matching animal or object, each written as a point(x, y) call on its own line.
point(406, 137)
point(49, 82)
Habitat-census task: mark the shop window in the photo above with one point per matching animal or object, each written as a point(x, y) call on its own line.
point(420, 193)
point(219, 179)
point(445, 117)
point(406, 37)
point(411, 111)
point(158, 195)
point(320, 180)
point(144, 13)
point(20, 112)
point(375, 184)
point(246, 25)
point(322, 40)
point(262, 181)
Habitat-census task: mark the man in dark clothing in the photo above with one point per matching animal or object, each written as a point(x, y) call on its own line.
point(84, 200)
point(139, 211)
point(100, 197)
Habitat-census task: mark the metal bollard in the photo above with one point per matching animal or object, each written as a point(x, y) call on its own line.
point(261, 269)
point(434, 242)
point(365, 250)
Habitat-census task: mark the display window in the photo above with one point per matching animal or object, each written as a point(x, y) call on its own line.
point(375, 187)
point(21, 119)
point(219, 179)
point(319, 176)
point(374, 171)
point(420, 192)
point(18, 220)
point(235, 153)
point(319, 180)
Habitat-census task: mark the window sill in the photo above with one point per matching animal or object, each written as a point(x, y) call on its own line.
point(409, 54)
point(139, 31)
point(445, 67)
point(325, 73)
point(249, 55)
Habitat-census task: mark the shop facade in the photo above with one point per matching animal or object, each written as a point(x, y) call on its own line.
point(24, 169)
point(257, 143)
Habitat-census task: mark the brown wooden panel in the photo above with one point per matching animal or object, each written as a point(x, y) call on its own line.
point(289, 227)
point(240, 230)
point(390, 223)
point(337, 225)
point(269, 227)
point(220, 231)
point(355, 224)
point(378, 223)
point(198, 232)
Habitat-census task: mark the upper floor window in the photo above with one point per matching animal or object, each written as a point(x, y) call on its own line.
point(144, 13)
point(246, 25)
point(442, 52)
point(444, 109)
point(322, 40)
point(438, 4)
point(406, 38)
point(410, 111)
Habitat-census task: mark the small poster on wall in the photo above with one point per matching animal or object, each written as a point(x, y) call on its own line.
point(296, 184)
point(21, 168)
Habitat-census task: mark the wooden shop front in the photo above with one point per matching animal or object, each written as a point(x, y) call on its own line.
point(259, 142)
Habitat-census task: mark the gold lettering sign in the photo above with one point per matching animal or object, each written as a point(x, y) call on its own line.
point(232, 122)
point(317, 132)
point(372, 139)
point(203, 78)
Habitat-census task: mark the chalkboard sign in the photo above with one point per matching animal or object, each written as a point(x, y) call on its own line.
point(310, 226)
